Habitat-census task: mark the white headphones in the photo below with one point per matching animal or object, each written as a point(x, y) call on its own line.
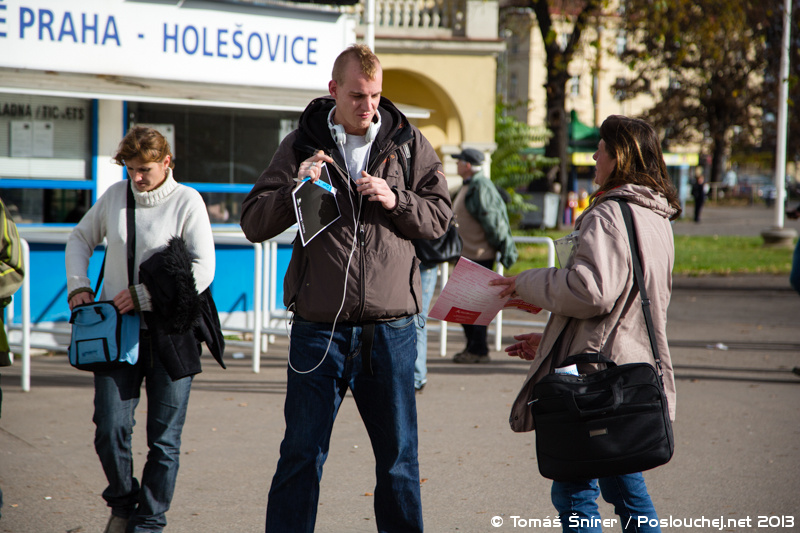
point(339, 136)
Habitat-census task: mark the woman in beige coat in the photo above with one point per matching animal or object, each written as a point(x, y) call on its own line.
point(596, 306)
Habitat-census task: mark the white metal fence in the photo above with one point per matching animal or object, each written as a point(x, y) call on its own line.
point(267, 318)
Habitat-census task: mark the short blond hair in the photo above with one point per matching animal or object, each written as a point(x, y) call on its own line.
point(363, 54)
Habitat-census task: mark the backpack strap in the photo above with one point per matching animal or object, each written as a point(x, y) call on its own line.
point(405, 162)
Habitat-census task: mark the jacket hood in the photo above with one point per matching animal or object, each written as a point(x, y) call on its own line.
point(643, 196)
point(314, 133)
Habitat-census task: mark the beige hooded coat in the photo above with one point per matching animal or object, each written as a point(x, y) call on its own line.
point(594, 299)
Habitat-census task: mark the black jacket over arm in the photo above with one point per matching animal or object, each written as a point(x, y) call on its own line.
point(181, 319)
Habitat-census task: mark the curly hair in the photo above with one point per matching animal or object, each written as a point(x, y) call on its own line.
point(145, 143)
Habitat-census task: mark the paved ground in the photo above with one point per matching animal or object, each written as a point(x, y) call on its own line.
point(727, 220)
point(734, 342)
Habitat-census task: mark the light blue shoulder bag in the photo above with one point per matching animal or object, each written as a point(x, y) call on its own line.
point(102, 338)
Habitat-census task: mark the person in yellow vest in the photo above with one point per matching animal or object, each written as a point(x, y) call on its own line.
point(12, 273)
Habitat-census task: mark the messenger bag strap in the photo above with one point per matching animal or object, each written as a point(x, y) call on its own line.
point(639, 277)
point(131, 216)
point(131, 223)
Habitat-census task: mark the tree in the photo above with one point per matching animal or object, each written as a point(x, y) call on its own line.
point(713, 54)
point(576, 15)
point(514, 165)
point(774, 36)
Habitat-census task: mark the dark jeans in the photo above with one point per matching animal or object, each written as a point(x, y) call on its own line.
point(698, 208)
point(316, 386)
point(476, 335)
point(117, 394)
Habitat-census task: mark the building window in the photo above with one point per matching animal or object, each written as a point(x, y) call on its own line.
point(44, 137)
point(622, 43)
point(214, 145)
point(512, 87)
point(220, 151)
point(575, 86)
point(563, 40)
point(45, 157)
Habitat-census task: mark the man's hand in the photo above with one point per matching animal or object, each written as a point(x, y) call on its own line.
point(376, 190)
point(527, 347)
point(312, 167)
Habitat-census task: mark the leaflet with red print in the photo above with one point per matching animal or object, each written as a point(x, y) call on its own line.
point(467, 298)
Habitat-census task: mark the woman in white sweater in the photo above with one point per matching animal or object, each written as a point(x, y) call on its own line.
point(164, 210)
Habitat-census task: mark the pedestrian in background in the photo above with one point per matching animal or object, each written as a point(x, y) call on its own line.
point(164, 211)
point(429, 275)
point(699, 193)
point(354, 289)
point(12, 274)
point(596, 305)
point(433, 255)
point(485, 231)
point(794, 276)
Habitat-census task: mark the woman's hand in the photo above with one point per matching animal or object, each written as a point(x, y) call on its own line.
point(312, 167)
point(124, 301)
point(527, 347)
point(509, 284)
point(81, 298)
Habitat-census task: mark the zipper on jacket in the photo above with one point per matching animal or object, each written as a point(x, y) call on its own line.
point(362, 241)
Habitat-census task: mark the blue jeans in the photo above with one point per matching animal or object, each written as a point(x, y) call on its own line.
point(386, 403)
point(429, 276)
point(576, 504)
point(116, 395)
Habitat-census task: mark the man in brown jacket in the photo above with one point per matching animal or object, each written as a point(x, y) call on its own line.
point(354, 288)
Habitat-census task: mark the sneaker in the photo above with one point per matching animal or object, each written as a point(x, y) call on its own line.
point(470, 358)
point(116, 524)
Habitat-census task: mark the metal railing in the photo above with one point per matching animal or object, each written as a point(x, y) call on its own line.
point(61, 330)
point(268, 319)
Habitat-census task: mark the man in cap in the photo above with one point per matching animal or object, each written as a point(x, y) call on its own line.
point(485, 231)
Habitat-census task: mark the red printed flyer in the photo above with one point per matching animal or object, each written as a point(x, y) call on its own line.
point(469, 299)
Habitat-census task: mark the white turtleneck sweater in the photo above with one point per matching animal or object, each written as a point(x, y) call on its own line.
point(170, 210)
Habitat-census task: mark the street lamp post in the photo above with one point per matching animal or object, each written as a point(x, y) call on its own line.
point(778, 235)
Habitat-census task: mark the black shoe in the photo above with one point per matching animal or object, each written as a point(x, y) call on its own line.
point(470, 358)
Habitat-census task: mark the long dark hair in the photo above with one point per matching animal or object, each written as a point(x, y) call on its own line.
point(637, 150)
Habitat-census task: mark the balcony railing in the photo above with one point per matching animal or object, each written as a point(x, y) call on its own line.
point(430, 17)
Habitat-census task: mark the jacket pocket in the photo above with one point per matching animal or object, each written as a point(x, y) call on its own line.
point(415, 282)
point(293, 282)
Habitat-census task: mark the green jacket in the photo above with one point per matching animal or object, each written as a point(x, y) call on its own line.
point(486, 205)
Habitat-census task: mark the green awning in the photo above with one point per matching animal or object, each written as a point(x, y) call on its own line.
point(581, 134)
